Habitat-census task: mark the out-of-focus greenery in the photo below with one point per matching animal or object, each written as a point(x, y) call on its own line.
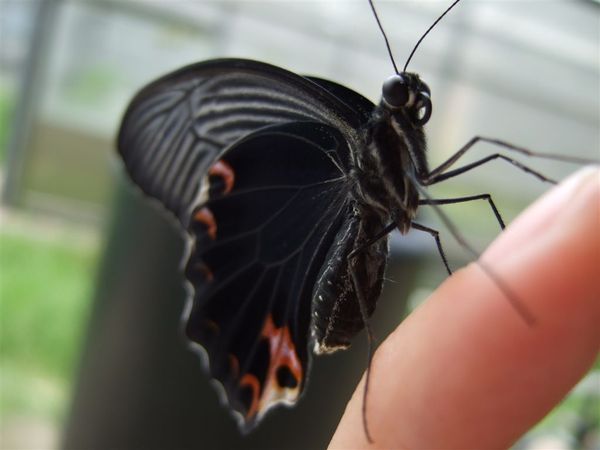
point(570, 412)
point(90, 85)
point(45, 292)
point(6, 114)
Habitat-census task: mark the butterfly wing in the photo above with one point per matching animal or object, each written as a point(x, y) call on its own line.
point(362, 107)
point(258, 244)
point(253, 161)
point(176, 127)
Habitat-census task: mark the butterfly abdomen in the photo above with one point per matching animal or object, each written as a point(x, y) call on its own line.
point(336, 312)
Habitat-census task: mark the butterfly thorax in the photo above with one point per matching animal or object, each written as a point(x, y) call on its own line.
point(386, 168)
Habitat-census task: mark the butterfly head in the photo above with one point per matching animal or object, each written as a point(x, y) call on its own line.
point(406, 92)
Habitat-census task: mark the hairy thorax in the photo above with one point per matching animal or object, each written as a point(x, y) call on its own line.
point(385, 175)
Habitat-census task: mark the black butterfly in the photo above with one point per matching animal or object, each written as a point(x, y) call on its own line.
point(286, 187)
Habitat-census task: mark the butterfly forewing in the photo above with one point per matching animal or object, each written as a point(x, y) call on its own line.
point(176, 127)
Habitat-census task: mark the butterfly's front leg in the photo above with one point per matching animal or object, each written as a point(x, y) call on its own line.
point(442, 173)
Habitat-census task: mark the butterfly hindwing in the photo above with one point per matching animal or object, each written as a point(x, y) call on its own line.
point(255, 262)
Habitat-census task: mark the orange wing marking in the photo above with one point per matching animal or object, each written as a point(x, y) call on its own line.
point(282, 354)
point(223, 170)
point(205, 216)
point(234, 366)
point(251, 381)
point(205, 271)
point(212, 326)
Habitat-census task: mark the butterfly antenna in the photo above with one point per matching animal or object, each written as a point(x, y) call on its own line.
point(512, 297)
point(425, 34)
point(387, 42)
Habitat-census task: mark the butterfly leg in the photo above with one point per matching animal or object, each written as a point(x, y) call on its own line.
point(442, 173)
point(450, 201)
point(436, 235)
point(370, 346)
point(362, 304)
point(515, 301)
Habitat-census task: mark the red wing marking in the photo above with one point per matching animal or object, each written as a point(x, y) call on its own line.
point(251, 382)
point(282, 350)
point(212, 326)
point(223, 170)
point(282, 355)
point(205, 271)
point(206, 217)
point(234, 364)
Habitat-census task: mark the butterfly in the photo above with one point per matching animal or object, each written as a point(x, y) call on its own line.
point(263, 169)
point(286, 188)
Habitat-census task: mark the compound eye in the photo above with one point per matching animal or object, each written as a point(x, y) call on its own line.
point(422, 109)
point(395, 91)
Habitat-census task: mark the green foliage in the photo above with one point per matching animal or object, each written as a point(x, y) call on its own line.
point(45, 290)
point(6, 116)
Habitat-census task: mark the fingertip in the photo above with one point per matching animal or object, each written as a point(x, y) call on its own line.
point(464, 370)
point(574, 200)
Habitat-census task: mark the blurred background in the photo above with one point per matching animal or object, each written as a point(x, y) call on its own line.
point(91, 349)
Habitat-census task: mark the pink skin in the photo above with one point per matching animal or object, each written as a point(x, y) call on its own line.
point(464, 371)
